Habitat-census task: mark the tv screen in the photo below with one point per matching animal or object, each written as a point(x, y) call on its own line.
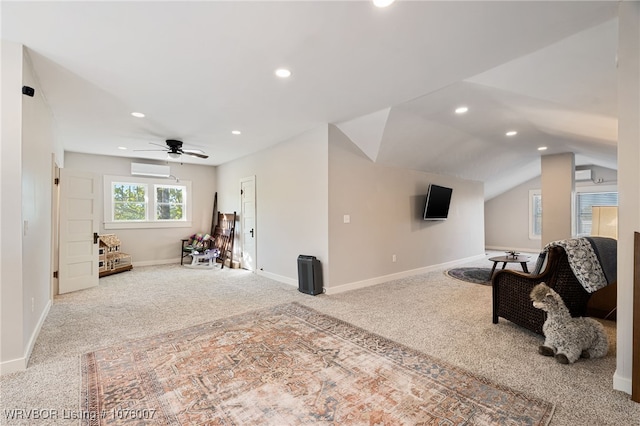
point(437, 205)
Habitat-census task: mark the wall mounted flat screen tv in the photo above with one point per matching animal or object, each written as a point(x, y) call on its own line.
point(437, 205)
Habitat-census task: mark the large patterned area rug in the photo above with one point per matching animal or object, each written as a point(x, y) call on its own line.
point(289, 365)
point(472, 275)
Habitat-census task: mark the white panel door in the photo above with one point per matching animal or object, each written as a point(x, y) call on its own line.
point(248, 222)
point(78, 230)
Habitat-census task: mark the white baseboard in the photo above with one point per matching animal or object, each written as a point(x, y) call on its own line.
point(621, 383)
point(157, 262)
point(20, 364)
point(373, 281)
point(36, 331)
point(523, 250)
point(398, 275)
point(280, 278)
point(15, 365)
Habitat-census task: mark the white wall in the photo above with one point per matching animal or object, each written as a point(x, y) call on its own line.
point(26, 179)
point(506, 219)
point(291, 202)
point(156, 245)
point(37, 188)
point(12, 348)
point(628, 182)
point(307, 184)
point(385, 206)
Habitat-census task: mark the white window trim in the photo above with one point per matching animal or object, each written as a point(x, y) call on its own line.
point(149, 223)
point(533, 192)
point(597, 188)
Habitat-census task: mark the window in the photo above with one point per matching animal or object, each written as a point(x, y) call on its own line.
point(586, 197)
point(170, 202)
point(133, 202)
point(584, 202)
point(535, 214)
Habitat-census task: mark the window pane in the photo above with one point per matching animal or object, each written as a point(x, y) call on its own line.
point(169, 212)
point(129, 211)
point(129, 202)
point(536, 215)
point(584, 202)
point(169, 195)
point(129, 192)
point(170, 202)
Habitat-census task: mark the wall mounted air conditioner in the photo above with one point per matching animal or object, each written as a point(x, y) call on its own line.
point(154, 170)
point(583, 174)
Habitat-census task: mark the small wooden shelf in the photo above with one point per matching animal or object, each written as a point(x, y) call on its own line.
point(115, 271)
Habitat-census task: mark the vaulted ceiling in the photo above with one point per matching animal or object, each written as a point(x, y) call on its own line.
point(388, 78)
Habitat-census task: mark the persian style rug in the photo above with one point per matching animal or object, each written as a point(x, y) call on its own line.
point(289, 365)
point(472, 275)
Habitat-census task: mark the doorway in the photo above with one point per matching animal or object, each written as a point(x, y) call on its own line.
point(55, 227)
point(248, 222)
point(78, 238)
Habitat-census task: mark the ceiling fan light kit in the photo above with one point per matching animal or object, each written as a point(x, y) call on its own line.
point(174, 150)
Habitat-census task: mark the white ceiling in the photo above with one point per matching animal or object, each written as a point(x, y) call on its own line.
point(389, 78)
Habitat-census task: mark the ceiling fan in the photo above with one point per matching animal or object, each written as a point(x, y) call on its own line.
point(174, 149)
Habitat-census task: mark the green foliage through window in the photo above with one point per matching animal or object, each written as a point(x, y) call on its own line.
point(170, 203)
point(145, 203)
point(129, 201)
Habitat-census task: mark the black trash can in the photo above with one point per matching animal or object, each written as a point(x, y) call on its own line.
point(309, 275)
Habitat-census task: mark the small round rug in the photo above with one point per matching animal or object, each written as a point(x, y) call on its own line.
point(471, 275)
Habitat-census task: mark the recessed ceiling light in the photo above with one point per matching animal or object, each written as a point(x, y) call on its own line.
point(283, 73)
point(122, 147)
point(382, 3)
point(138, 114)
point(542, 148)
point(236, 132)
point(511, 133)
point(462, 110)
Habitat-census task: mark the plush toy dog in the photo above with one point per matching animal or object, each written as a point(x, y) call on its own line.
point(567, 338)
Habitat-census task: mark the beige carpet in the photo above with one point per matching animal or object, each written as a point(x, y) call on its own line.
point(432, 313)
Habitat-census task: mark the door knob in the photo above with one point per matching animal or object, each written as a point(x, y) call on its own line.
point(251, 232)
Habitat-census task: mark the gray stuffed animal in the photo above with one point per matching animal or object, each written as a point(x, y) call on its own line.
point(567, 338)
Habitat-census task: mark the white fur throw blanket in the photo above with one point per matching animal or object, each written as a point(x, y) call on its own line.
point(592, 260)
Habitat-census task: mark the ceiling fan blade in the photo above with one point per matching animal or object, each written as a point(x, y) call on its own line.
point(155, 150)
point(195, 154)
point(157, 144)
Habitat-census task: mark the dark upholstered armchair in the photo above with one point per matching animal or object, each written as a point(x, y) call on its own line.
point(511, 291)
